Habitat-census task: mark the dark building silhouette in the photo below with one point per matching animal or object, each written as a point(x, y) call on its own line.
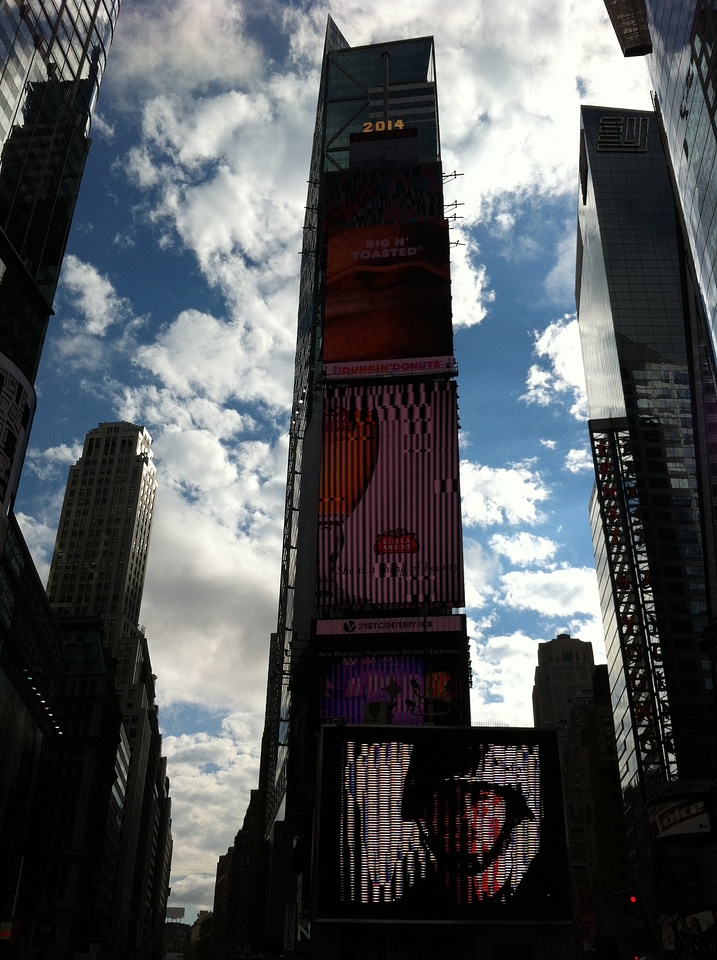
point(651, 393)
point(83, 782)
point(53, 60)
point(97, 571)
point(356, 848)
point(572, 696)
point(565, 669)
point(53, 57)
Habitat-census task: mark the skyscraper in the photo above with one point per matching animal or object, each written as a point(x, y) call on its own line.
point(53, 58)
point(679, 38)
point(565, 668)
point(368, 752)
point(651, 395)
point(97, 572)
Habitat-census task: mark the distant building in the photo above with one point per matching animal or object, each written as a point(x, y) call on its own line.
point(652, 399)
point(565, 668)
point(98, 570)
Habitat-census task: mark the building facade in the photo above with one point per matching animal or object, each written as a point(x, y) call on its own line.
point(651, 395)
point(97, 575)
point(678, 39)
point(52, 62)
point(565, 669)
point(367, 717)
point(52, 58)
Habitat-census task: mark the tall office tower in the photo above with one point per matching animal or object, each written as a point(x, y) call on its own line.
point(679, 41)
point(565, 668)
point(651, 395)
point(368, 753)
point(572, 695)
point(53, 58)
point(98, 569)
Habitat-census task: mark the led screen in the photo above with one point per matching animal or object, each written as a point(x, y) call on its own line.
point(396, 689)
point(389, 500)
point(388, 293)
point(468, 820)
point(392, 195)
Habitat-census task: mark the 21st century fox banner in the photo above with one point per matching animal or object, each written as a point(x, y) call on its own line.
point(389, 499)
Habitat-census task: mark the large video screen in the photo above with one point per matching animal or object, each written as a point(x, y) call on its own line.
point(389, 499)
point(388, 293)
point(466, 821)
point(392, 195)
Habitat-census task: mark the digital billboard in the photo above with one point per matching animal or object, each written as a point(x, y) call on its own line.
point(466, 821)
point(393, 671)
point(392, 195)
point(388, 293)
point(389, 531)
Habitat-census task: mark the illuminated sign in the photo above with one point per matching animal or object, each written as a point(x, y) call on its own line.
point(680, 816)
point(391, 625)
point(388, 293)
point(466, 821)
point(389, 500)
point(397, 194)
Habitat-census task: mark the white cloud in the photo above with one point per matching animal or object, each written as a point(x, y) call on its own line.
point(578, 461)
point(92, 309)
point(552, 593)
point(503, 671)
point(501, 495)
point(564, 377)
point(208, 773)
point(524, 549)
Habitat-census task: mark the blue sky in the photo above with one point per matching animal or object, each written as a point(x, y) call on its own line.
point(177, 310)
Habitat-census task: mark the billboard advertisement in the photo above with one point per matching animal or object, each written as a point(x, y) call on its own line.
point(382, 672)
point(682, 816)
point(389, 501)
point(468, 820)
point(392, 195)
point(388, 293)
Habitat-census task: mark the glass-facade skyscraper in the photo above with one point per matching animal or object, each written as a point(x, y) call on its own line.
point(52, 57)
point(652, 401)
point(679, 39)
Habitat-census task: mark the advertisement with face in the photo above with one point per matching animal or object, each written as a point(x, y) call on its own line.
point(468, 819)
point(389, 501)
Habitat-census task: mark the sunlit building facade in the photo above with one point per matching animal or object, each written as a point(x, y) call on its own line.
point(679, 40)
point(651, 394)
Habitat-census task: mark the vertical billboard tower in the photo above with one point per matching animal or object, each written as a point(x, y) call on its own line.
point(367, 720)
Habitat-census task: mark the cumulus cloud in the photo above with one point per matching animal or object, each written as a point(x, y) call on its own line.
point(579, 461)
point(563, 379)
point(552, 593)
point(92, 310)
point(501, 495)
point(524, 549)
